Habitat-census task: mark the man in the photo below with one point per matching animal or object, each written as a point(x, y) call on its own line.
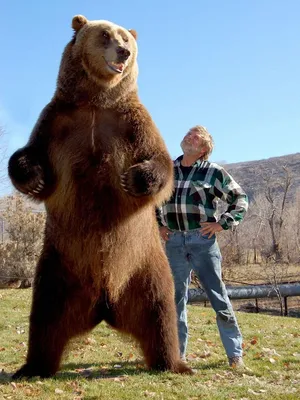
point(188, 225)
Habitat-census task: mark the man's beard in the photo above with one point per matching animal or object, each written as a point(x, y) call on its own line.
point(189, 149)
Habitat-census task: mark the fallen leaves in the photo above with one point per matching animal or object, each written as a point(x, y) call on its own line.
point(85, 372)
point(254, 341)
point(256, 393)
point(205, 354)
point(90, 341)
point(120, 378)
point(25, 388)
point(113, 367)
point(20, 330)
point(197, 356)
point(149, 394)
point(270, 354)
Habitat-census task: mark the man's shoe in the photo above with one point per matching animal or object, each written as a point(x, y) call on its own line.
point(236, 362)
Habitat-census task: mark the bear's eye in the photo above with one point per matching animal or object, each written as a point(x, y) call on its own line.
point(125, 39)
point(106, 35)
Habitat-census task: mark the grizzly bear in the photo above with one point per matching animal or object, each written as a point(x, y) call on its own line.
point(99, 164)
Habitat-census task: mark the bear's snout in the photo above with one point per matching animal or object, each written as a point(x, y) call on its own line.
point(122, 53)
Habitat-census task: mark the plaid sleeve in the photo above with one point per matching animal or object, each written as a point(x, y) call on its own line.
point(159, 218)
point(228, 190)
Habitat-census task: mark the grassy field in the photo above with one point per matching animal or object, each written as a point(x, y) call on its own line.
point(261, 273)
point(104, 365)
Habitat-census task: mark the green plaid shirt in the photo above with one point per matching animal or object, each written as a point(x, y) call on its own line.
point(195, 196)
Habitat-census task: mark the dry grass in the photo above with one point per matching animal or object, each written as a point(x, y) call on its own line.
point(260, 273)
point(105, 366)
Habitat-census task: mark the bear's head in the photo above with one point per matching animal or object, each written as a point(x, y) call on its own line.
point(100, 55)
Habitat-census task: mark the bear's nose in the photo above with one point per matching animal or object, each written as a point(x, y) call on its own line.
point(123, 53)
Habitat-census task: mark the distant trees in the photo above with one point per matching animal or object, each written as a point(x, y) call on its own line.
point(21, 231)
point(2, 157)
point(22, 247)
point(270, 231)
point(269, 236)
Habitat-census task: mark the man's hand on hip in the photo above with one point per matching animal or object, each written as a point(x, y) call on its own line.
point(210, 228)
point(164, 233)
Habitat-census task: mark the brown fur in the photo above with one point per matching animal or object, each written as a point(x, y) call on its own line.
point(98, 162)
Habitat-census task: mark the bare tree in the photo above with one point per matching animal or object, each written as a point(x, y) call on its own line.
point(25, 231)
point(290, 241)
point(3, 176)
point(270, 216)
point(256, 234)
point(277, 210)
point(297, 218)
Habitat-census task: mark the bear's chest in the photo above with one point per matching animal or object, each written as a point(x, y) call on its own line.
point(92, 145)
point(94, 131)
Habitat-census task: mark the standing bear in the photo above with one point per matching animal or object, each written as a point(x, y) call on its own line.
point(98, 162)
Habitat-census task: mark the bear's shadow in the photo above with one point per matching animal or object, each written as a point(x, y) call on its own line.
point(71, 371)
point(96, 371)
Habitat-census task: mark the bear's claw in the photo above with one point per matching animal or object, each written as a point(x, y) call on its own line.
point(138, 180)
point(26, 173)
point(123, 181)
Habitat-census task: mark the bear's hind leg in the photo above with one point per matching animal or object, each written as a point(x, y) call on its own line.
point(147, 311)
point(60, 311)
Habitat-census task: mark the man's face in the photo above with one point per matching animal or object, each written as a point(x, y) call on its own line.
point(192, 143)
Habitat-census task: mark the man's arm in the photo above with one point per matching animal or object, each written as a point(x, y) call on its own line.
point(228, 190)
point(159, 218)
point(163, 229)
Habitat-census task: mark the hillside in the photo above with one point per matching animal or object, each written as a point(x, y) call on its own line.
point(253, 176)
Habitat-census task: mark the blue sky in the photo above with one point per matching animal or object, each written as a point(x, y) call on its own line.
point(230, 65)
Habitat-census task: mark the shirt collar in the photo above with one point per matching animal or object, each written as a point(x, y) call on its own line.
point(198, 163)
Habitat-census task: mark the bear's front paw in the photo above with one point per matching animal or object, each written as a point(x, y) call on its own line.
point(26, 173)
point(24, 372)
point(29, 371)
point(140, 180)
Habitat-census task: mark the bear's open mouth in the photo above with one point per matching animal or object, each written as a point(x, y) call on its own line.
point(116, 67)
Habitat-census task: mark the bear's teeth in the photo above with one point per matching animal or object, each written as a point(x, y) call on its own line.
point(117, 66)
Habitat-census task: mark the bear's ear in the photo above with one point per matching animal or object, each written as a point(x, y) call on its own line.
point(133, 32)
point(78, 22)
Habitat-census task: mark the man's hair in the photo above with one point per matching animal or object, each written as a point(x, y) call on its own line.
point(207, 140)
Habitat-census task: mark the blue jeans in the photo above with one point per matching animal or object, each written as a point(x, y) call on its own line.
point(189, 251)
